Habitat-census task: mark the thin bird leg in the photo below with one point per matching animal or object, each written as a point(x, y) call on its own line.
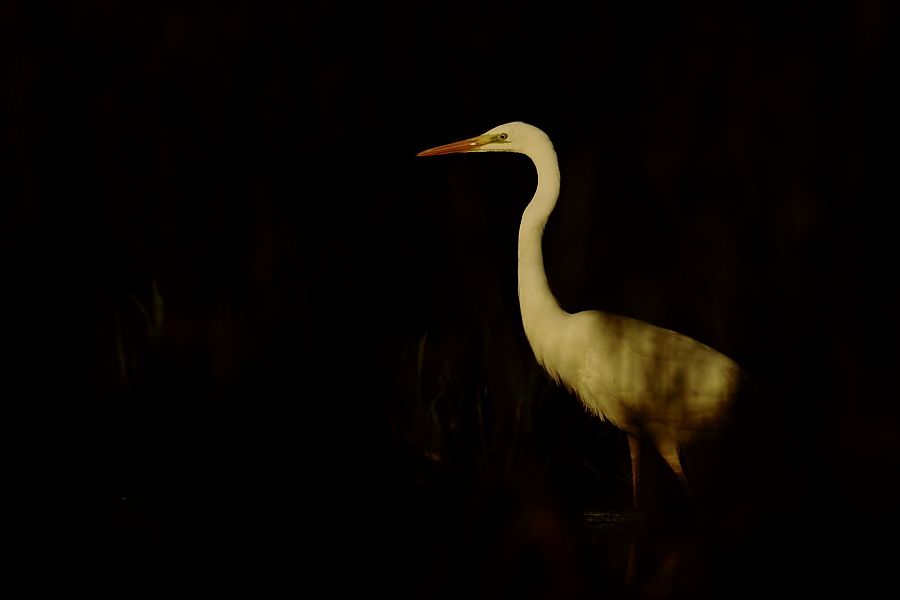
point(634, 445)
point(669, 452)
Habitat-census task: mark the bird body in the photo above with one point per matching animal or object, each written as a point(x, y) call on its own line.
point(652, 383)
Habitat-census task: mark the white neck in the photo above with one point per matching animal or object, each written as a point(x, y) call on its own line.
point(541, 315)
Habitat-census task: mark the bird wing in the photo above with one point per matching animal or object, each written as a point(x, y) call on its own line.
point(636, 373)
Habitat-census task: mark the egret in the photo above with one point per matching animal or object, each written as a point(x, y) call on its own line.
point(654, 384)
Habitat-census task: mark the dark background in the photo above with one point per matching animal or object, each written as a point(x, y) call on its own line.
point(248, 326)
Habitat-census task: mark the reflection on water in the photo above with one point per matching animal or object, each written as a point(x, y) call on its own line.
point(608, 521)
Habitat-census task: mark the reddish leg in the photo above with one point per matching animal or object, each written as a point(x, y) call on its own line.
point(634, 445)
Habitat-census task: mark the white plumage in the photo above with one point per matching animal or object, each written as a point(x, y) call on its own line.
point(652, 383)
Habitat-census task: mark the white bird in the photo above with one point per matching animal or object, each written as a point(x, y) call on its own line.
point(652, 383)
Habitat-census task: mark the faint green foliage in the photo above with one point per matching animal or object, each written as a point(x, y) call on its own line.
point(466, 400)
point(137, 330)
point(153, 314)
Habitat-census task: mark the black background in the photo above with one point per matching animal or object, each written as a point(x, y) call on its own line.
point(247, 323)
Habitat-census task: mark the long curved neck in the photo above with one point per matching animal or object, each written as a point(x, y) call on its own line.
point(541, 313)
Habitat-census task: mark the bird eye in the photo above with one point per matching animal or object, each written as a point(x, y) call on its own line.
point(503, 137)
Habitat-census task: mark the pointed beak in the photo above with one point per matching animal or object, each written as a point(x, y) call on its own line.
point(461, 146)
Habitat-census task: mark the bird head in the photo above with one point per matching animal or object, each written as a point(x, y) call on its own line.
point(509, 137)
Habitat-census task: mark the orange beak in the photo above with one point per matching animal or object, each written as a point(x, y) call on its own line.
point(456, 147)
